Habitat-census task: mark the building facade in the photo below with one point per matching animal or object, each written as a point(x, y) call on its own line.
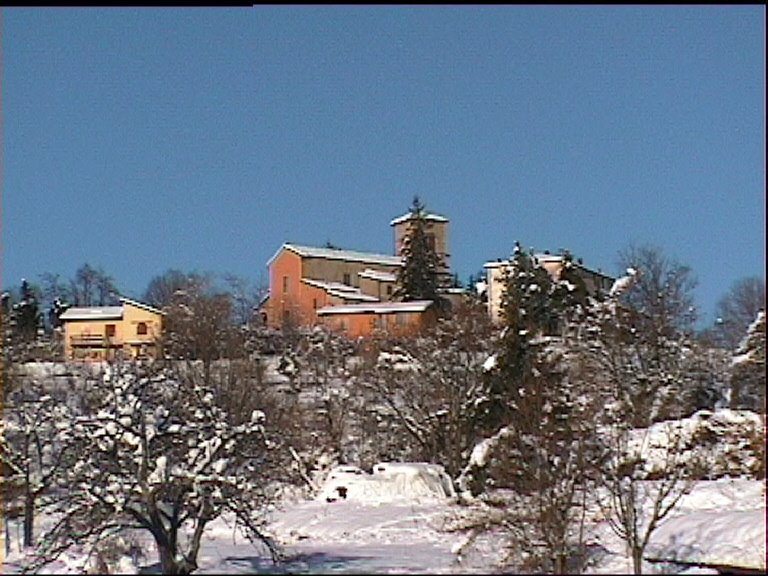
point(349, 287)
point(102, 333)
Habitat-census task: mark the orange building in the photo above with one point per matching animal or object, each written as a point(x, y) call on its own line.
point(348, 286)
point(303, 279)
point(99, 333)
point(394, 318)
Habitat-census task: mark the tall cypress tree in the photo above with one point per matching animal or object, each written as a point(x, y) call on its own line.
point(419, 278)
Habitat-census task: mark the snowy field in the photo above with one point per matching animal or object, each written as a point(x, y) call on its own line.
point(393, 523)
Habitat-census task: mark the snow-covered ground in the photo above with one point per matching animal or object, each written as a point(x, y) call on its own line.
point(394, 519)
point(398, 527)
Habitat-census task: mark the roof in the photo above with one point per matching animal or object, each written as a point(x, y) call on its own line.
point(105, 312)
point(93, 313)
point(141, 305)
point(338, 286)
point(548, 258)
point(336, 254)
point(377, 275)
point(340, 290)
point(427, 216)
point(377, 308)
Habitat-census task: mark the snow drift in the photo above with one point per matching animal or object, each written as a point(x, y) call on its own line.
point(388, 482)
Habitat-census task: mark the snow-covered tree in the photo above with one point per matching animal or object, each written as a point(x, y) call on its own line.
point(421, 275)
point(539, 421)
point(534, 305)
point(638, 376)
point(748, 368)
point(153, 452)
point(643, 478)
point(430, 387)
point(34, 445)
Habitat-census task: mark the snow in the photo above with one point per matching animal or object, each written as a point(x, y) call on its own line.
point(734, 538)
point(731, 431)
point(624, 283)
point(490, 363)
point(388, 482)
point(720, 521)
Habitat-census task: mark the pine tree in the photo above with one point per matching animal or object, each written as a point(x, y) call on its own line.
point(419, 278)
point(528, 314)
point(748, 368)
point(27, 315)
point(540, 407)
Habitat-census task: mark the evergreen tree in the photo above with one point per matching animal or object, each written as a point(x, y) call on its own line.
point(540, 406)
point(27, 317)
point(419, 278)
point(748, 369)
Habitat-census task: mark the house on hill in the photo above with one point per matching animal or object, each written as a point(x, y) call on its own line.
point(595, 281)
point(347, 290)
point(99, 333)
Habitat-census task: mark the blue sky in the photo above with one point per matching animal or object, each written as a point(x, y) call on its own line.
point(202, 139)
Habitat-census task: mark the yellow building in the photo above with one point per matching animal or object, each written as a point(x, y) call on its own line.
point(130, 330)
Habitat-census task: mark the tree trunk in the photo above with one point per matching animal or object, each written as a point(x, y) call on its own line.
point(29, 519)
point(172, 563)
point(637, 560)
point(561, 563)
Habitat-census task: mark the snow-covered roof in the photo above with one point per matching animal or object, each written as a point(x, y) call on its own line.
point(427, 216)
point(337, 286)
point(353, 296)
point(93, 313)
point(337, 254)
point(141, 305)
point(340, 290)
point(378, 308)
point(105, 312)
point(377, 275)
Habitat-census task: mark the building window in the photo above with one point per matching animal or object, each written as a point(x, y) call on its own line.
point(110, 333)
point(285, 284)
point(141, 328)
point(389, 290)
point(314, 303)
point(347, 279)
point(431, 241)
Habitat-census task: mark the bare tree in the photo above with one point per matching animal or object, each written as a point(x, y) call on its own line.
point(644, 479)
point(642, 475)
point(199, 324)
point(738, 309)
point(92, 287)
point(663, 290)
point(162, 288)
point(245, 298)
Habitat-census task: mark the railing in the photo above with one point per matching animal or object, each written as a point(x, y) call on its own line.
point(89, 340)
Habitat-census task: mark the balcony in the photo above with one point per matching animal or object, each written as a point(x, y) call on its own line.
point(92, 341)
